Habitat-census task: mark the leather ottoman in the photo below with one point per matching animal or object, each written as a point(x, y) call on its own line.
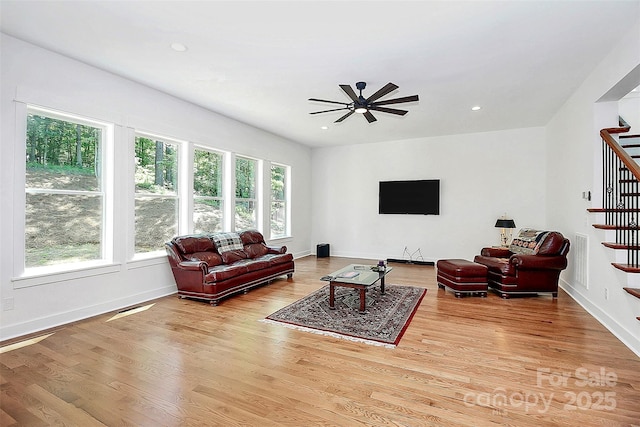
point(463, 277)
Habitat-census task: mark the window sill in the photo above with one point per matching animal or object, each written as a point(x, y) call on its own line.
point(147, 259)
point(280, 239)
point(47, 275)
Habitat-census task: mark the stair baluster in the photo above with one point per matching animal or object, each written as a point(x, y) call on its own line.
point(620, 195)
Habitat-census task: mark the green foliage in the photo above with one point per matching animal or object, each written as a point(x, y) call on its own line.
point(156, 166)
point(245, 178)
point(278, 174)
point(207, 173)
point(54, 142)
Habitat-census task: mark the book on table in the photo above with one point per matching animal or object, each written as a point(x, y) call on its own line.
point(348, 275)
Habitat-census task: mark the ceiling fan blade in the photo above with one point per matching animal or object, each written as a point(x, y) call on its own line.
point(389, 110)
point(369, 117)
point(327, 111)
point(330, 102)
point(398, 100)
point(389, 87)
point(349, 91)
point(344, 117)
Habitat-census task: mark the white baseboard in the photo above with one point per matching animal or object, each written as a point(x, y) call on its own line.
point(620, 332)
point(59, 319)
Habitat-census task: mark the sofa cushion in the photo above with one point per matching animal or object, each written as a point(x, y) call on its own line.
point(229, 257)
point(253, 264)
point(224, 272)
point(211, 258)
point(275, 259)
point(528, 241)
point(227, 242)
point(255, 250)
point(552, 244)
point(251, 236)
point(192, 244)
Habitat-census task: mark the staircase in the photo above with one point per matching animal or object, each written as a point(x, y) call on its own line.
point(621, 196)
point(631, 144)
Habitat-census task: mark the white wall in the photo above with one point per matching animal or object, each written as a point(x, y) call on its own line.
point(482, 176)
point(573, 166)
point(629, 109)
point(34, 75)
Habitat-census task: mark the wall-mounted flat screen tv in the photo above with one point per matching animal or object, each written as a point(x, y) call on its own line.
point(418, 197)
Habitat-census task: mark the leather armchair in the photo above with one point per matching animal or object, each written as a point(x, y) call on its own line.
point(527, 267)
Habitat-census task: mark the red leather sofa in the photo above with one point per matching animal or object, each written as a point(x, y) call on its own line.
point(530, 265)
point(211, 267)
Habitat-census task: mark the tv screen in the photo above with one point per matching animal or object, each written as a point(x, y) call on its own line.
point(420, 197)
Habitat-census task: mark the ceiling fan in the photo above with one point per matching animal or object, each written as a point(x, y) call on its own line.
point(364, 106)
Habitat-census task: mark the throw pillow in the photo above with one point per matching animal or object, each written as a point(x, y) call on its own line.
point(528, 241)
point(226, 242)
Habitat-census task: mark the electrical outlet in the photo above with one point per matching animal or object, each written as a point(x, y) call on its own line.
point(606, 293)
point(7, 304)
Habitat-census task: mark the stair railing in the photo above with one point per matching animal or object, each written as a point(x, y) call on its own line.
point(621, 176)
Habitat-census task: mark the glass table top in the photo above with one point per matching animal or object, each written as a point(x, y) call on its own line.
point(357, 274)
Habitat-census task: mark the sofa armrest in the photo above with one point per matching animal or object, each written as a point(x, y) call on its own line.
point(496, 252)
point(538, 262)
point(277, 249)
point(194, 266)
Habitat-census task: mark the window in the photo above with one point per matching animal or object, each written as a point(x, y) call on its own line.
point(246, 202)
point(65, 199)
point(156, 193)
point(207, 191)
point(279, 191)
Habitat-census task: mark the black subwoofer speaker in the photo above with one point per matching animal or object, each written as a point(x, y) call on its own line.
point(322, 250)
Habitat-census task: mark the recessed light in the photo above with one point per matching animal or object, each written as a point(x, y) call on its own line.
point(476, 108)
point(178, 47)
point(324, 127)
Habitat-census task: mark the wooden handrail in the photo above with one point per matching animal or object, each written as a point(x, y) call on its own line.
point(620, 152)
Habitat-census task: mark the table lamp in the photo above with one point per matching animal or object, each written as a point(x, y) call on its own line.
point(505, 225)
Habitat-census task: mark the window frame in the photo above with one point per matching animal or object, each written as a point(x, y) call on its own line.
point(24, 276)
point(180, 149)
point(117, 252)
point(257, 192)
point(222, 198)
point(286, 201)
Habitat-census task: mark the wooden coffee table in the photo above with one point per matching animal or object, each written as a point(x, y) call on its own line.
point(356, 276)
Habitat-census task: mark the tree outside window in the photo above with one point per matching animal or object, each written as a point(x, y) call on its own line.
point(64, 212)
point(156, 193)
point(278, 212)
point(207, 191)
point(246, 202)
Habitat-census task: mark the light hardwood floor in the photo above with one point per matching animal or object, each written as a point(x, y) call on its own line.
point(462, 362)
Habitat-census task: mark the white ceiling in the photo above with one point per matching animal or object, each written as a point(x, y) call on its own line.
point(259, 62)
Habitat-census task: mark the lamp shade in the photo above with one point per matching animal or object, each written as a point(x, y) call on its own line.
point(505, 223)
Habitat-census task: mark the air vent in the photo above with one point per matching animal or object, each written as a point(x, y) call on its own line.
point(581, 259)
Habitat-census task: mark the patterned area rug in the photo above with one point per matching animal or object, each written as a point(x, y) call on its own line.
point(387, 316)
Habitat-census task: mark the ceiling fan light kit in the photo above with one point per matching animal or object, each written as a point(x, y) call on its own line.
point(360, 104)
